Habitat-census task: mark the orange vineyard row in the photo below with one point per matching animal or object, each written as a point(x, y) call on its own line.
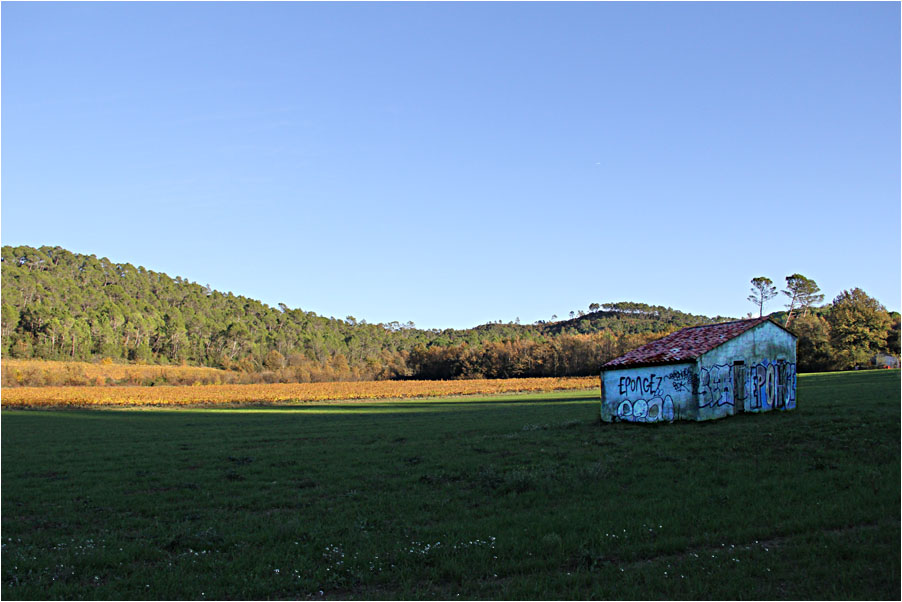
point(24, 397)
point(31, 372)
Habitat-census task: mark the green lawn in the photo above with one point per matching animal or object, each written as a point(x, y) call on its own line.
point(525, 496)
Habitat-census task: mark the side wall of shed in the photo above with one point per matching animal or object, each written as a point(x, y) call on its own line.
point(650, 394)
point(764, 380)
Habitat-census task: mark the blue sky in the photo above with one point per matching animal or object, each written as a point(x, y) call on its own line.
point(453, 164)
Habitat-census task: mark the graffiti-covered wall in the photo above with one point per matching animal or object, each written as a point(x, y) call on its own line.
point(755, 372)
point(660, 393)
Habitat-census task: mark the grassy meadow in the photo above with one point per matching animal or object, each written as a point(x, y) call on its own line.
point(520, 496)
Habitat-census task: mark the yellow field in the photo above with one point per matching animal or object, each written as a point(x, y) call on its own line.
point(41, 372)
point(34, 397)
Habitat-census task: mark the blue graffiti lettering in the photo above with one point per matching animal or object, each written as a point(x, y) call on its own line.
point(649, 385)
point(715, 386)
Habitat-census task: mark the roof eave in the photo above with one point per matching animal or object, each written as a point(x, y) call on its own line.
point(688, 360)
point(778, 325)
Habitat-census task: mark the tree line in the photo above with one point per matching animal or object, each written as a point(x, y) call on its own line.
point(60, 305)
point(847, 333)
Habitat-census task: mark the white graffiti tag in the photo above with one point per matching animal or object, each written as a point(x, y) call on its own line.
point(652, 410)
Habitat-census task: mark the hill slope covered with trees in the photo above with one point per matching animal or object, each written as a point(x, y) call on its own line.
point(60, 305)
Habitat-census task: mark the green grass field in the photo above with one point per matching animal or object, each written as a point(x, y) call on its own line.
point(525, 496)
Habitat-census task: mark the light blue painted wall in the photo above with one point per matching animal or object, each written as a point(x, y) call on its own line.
point(712, 387)
point(657, 393)
point(765, 381)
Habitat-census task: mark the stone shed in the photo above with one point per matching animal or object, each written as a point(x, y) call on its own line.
point(703, 373)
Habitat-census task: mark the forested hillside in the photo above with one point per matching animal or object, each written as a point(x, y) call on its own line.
point(60, 305)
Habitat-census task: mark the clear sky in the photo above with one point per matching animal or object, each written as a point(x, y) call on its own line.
point(453, 164)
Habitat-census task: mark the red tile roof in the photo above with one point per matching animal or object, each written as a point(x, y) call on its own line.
point(686, 344)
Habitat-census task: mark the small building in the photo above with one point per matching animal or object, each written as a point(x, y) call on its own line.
point(884, 360)
point(703, 373)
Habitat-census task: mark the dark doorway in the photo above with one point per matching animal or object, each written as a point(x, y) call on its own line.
point(739, 377)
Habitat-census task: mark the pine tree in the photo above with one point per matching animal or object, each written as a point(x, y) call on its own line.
point(803, 293)
point(763, 290)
